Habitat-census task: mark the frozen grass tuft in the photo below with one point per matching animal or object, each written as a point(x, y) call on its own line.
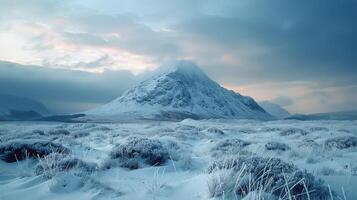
point(243, 175)
point(54, 163)
point(155, 186)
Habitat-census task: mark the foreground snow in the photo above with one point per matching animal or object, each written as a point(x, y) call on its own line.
point(183, 150)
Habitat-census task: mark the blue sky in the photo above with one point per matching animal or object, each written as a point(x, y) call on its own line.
point(300, 54)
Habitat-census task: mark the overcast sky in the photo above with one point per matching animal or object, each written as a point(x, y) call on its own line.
point(74, 55)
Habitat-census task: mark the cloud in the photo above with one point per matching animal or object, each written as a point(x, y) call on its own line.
point(268, 49)
point(280, 40)
point(63, 91)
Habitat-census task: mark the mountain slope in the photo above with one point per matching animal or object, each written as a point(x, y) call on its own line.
point(274, 109)
point(20, 108)
point(178, 92)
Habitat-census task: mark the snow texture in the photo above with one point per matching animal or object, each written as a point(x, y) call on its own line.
point(189, 159)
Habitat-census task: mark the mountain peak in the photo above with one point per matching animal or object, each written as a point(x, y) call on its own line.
point(181, 90)
point(184, 67)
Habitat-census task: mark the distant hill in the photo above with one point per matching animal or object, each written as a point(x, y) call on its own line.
point(274, 109)
point(20, 108)
point(344, 115)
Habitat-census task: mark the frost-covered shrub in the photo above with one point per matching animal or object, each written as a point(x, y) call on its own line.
point(270, 129)
point(293, 131)
point(315, 129)
point(233, 145)
point(53, 163)
point(20, 149)
point(215, 130)
point(246, 131)
point(245, 174)
point(59, 132)
point(309, 143)
point(166, 130)
point(102, 128)
point(276, 146)
point(80, 134)
point(39, 132)
point(138, 152)
point(342, 142)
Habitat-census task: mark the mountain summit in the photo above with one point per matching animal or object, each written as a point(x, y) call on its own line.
point(180, 91)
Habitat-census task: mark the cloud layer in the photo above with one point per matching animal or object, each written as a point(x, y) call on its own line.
point(63, 91)
point(303, 51)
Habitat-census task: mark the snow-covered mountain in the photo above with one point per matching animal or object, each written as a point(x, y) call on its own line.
point(177, 92)
point(20, 108)
point(274, 109)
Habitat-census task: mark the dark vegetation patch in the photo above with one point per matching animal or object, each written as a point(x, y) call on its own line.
point(233, 145)
point(19, 149)
point(276, 146)
point(293, 131)
point(342, 142)
point(215, 130)
point(310, 143)
point(137, 153)
point(58, 132)
point(80, 134)
point(315, 129)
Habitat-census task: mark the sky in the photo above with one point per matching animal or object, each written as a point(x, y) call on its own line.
point(73, 55)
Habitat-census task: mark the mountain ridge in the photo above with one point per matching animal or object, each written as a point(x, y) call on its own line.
point(20, 108)
point(338, 115)
point(274, 109)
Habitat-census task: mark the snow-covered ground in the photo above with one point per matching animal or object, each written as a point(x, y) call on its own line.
point(166, 160)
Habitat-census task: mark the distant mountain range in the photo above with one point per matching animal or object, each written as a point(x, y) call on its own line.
point(179, 91)
point(20, 108)
point(343, 115)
